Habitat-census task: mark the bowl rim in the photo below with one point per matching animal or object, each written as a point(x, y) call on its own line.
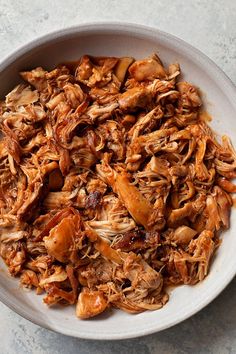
point(122, 28)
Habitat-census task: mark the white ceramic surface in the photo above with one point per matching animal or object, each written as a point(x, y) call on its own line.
point(220, 99)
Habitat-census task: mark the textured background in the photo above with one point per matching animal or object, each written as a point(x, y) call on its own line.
point(209, 26)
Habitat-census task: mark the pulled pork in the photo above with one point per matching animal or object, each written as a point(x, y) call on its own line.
point(112, 185)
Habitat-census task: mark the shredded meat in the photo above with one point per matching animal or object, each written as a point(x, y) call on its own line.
point(112, 185)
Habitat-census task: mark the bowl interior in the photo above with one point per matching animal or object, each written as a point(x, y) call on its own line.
point(219, 96)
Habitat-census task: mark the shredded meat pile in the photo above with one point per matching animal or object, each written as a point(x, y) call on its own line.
point(112, 185)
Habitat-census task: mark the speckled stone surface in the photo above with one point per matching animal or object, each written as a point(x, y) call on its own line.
point(209, 26)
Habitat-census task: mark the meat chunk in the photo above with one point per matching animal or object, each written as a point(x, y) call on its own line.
point(62, 241)
point(90, 303)
point(147, 69)
point(93, 199)
point(134, 98)
point(137, 240)
point(139, 207)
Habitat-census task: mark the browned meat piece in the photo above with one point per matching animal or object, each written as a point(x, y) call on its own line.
point(134, 98)
point(137, 205)
point(36, 77)
point(64, 239)
point(148, 69)
point(56, 294)
point(90, 303)
point(14, 255)
point(137, 240)
point(29, 278)
point(93, 199)
point(183, 235)
point(21, 96)
point(189, 95)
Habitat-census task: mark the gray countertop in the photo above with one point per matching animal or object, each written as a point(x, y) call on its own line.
point(209, 26)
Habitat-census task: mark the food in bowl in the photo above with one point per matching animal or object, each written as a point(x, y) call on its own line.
point(113, 185)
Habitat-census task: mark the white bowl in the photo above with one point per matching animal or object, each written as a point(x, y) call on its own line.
point(220, 97)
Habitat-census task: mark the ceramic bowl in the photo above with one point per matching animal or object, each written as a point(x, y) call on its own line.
point(119, 39)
